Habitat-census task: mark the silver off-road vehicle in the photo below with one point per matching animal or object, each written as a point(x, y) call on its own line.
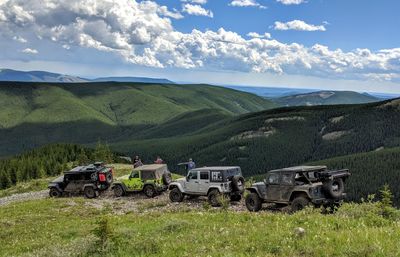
point(298, 187)
point(212, 182)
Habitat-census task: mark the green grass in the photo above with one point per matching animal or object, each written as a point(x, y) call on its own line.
point(24, 187)
point(69, 227)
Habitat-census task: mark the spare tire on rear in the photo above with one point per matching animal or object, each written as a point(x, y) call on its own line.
point(167, 178)
point(238, 183)
point(334, 188)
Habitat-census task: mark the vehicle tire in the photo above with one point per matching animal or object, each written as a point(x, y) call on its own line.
point(149, 191)
point(54, 192)
point(109, 178)
point(253, 202)
point(118, 191)
point(299, 203)
point(334, 188)
point(236, 198)
point(166, 178)
point(93, 176)
point(176, 195)
point(213, 196)
point(238, 183)
point(90, 192)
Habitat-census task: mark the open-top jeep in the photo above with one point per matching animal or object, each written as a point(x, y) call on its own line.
point(89, 179)
point(151, 179)
point(212, 182)
point(298, 187)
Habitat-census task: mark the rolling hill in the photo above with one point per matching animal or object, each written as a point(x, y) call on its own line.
point(325, 98)
point(34, 114)
point(50, 77)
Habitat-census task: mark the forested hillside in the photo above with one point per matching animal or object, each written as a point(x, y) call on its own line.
point(281, 137)
point(34, 114)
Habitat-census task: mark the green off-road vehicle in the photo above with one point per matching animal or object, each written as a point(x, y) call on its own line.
point(150, 179)
point(298, 187)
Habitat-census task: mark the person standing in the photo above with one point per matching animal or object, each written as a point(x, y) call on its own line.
point(191, 164)
point(159, 160)
point(137, 162)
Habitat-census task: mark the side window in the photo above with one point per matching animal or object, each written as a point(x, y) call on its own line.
point(135, 174)
point(273, 178)
point(287, 179)
point(216, 176)
point(193, 174)
point(204, 175)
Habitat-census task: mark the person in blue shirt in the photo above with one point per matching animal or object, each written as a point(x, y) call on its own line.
point(191, 164)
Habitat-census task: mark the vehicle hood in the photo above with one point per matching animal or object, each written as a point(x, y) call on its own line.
point(58, 180)
point(123, 177)
point(180, 181)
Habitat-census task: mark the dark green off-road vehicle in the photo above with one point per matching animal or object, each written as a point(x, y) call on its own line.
point(91, 180)
point(150, 179)
point(298, 187)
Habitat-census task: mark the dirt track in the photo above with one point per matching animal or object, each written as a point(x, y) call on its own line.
point(24, 197)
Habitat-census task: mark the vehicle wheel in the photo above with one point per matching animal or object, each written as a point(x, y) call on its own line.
point(236, 198)
point(299, 203)
point(118, 190)
point(176, 195)
point(54, 192)
point(253, 202)
point(93, 176)
point(334, 188)
point(167, 178)
point(149, 191)
point(238, 183)
point(90, 192)
point(213, 198)
point(109, 177)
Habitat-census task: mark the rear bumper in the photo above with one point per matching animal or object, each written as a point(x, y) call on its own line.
point(328, 201)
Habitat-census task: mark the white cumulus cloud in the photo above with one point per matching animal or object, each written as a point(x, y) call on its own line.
point(142, 33)
point(290, 2)
point(298, 25)
point(195, 1)
point(195, 9)
point(30, 51)
point(256, 35)
point(247, 3)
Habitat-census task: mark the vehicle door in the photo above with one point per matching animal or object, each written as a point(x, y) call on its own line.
point(204, 182)
point(287, 185)
point(134, 181)
point(192, 182)
point(74, 182)
point(273, 186)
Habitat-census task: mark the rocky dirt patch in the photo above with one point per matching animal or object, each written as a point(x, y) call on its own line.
point(335, 135)
point(24, 197)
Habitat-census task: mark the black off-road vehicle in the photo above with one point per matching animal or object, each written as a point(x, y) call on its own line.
point(298, 187)
point(90, 180)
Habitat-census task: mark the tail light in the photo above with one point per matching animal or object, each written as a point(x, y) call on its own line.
point(102, 177)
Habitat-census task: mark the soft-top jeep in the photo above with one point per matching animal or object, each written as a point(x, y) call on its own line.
point(90, 180)
point(151, 179)
point(298, 187)
point(212, 182)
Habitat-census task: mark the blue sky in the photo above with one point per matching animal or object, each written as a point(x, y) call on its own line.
point(324, 44)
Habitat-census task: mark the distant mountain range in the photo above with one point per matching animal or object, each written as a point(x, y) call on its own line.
point(43, 76)
point(326, 98)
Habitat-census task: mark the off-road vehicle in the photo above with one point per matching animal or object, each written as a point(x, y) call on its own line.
point(212, 182)
point(298, 187)
point(90, 180)
point(151, 179)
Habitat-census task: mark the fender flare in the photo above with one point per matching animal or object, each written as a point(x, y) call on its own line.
point(119, 184)
point(178, 185)
point(254, 190)
point(56, 186)
point(213, 188)
point(89, 185)
point(304, 193)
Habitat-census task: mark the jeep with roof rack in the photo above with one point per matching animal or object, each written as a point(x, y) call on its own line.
point(298, 187)
point(150, 179)
point(90, 179)
point(212, 182)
